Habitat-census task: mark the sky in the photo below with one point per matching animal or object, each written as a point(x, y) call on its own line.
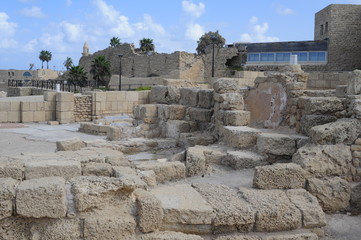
point(62, 26)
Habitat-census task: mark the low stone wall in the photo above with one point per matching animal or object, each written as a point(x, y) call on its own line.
point(327, 80)
point(133, 83)
point(25, 91)
point(82, 108)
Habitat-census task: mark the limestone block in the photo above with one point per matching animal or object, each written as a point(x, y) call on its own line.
point(11, 169)
point(64, 97)
point(145, 111)
point(312, 213)
point(175, 127)
point(26, 117)
point(159, 94)
point(166, 235)
point(7, 195)
point(42, 197)
point(205, 98)
point(333, 194)
point(114, 133)
point(15, 228)
point(196, 138)
point(14, 116)
point(341, 91)
point(92, 191)
point(324, 160)
point(64, 106)
point(238, 237)
point(150, 211)
point(240, 136)
point(148, 177)
point(229, 101)
point(196, 163)
point(320, 105)
point(50, 96)
point(354, 83)
point(4, 116)
point(119, 171)
point(309, 121)
point(70, 145)
point(276, 144)
point(199, 114)
point(66, 169)
point(345, 130)
point(53, 229)
point(189, 97)
point(274, 211)
point(171, 112)
point(164, 171)
point(97, 169)
point(291, 236)
point(279, 176)
point(184, 209)
point(117, 160)
point(243, 159)
point(232, 212)
point(226, 85)
point(109, 228)
point(234, 118)
point(355, 203)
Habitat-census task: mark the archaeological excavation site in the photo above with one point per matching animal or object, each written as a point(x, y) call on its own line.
point(235, 159)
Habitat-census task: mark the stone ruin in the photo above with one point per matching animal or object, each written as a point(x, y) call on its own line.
point(304, 146)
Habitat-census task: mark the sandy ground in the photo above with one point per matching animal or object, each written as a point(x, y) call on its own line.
point(41, 138)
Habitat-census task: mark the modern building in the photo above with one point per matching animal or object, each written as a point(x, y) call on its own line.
point(336, 45)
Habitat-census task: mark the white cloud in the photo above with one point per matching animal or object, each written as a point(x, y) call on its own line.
point(31, 46)
point(7, 32)
point(73, 32)
point(253, 20)
point(258, 33)
point(194, 32)
point(33, 12)
point(149, 25)
point(69, 2)
point(282, 10)
point(194, 9)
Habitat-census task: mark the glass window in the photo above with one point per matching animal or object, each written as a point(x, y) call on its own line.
point(267, 57)
point(283, 57)
point(317, 56)
point(301, 56)
point(253, 57)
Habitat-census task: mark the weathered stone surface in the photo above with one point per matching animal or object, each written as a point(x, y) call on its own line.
point(320, 105)
point(171, 112)
point(274, 211)
point(114, 133)
point(232, 213)
point(119, 171)
point(167, 235)
point(309, 121)
point(117, 160)
point(237, 237)
point(159, 94)
point(15, 228)
point(108, 228)
point(52, 168)
point(243, 159)
point(355, 202)
point(42, 197)
point(344, 130)
point(333, 194)
point(276, 144)
point(145, 111)
point(324, 160)
point(148, 177)
point(312, 214)
point(97, 169)
point(205, 98)
point(11, 169)
point(196, 138)
point(196, 163)
point(199, 114)
point(150, 211)
point(164, 171)
point(226, 85)
point(189, 97)
point(70, 145)
point(229, 101)
point(234, 118)
point(175, 127)
point(279, 176)
point(290, 236)
point(182, 206)
point(354, 84)
point(91, 191)
point(7, 195)
point(51, 229)
point(240, 136)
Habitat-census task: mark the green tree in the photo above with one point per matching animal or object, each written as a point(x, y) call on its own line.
point(100, 69)
point(77, 76)
point(45, 56)
point(114, 42)
point(68, 63)
point(209, 39)
point(146, 45)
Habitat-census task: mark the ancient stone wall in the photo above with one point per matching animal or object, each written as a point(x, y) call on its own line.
point(82, 108)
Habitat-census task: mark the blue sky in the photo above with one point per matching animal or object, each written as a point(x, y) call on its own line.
point(62, 26)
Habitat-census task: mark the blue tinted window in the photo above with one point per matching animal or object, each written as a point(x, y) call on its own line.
point(317, 56)
point(267, 57)
point(253, 57)
point(301, 56)
point(283, 57)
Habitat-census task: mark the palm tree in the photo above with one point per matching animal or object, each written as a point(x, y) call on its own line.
point(146, 45)
point(100, 69)
point(45, 56)
point(77, 76)
point(114, 42)
point(68, 64)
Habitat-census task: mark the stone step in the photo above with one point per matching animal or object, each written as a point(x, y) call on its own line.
point(243, 159)
point(239, 136)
